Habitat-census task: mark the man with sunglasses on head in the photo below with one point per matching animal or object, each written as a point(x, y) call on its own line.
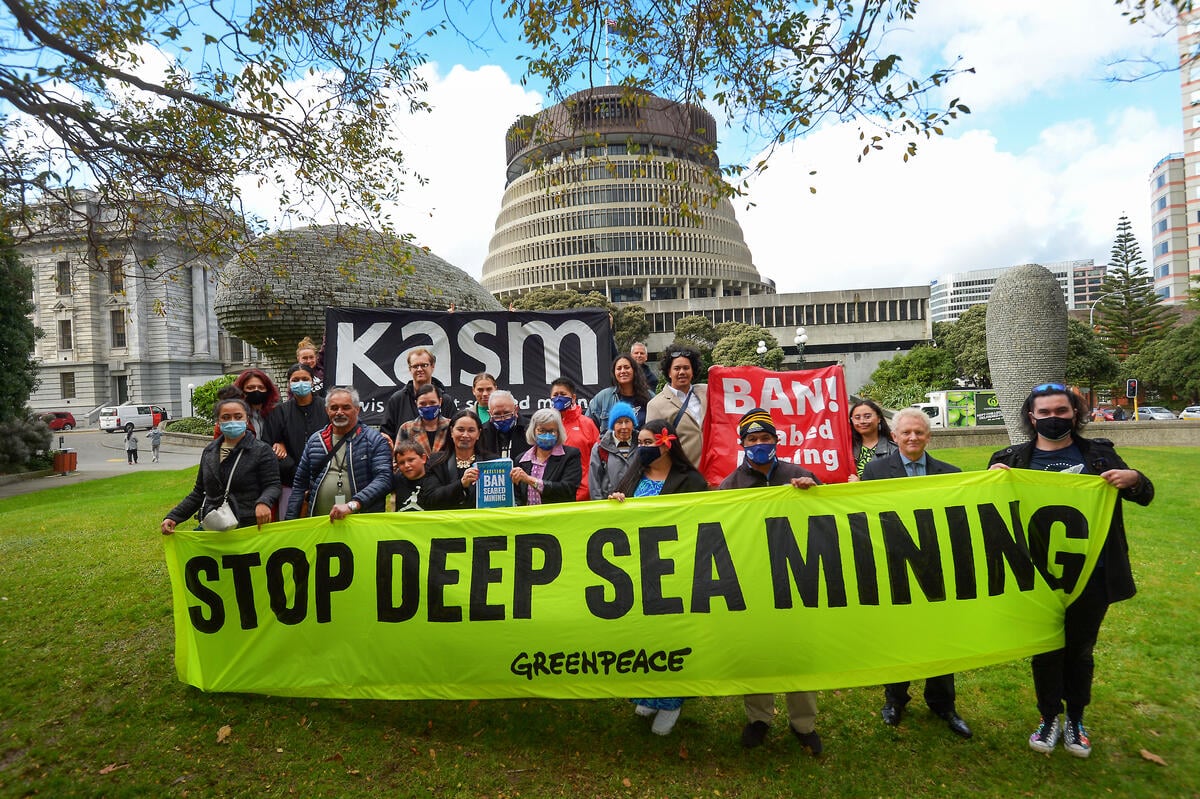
point(402, 405)
point(1054, 416)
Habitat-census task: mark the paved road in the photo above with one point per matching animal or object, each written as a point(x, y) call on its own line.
point(103, 455)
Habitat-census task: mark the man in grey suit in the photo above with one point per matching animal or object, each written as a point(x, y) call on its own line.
point(910, 431)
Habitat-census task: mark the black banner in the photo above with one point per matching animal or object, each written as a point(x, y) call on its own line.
point(525, 350)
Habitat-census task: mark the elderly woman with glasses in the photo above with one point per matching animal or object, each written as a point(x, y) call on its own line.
point(549, 471)
point(1054, 416)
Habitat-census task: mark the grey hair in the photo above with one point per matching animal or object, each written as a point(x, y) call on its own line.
point(502, 394)
point(541, 417)
point(345, 390)
point(910, 413)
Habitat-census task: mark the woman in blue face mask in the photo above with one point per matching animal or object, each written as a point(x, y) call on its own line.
point(549, 471)
point(662, 467)
point(430, 429)
point(237, 466)
point(292, 422)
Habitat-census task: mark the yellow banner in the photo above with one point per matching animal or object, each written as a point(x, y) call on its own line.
point(727, 592)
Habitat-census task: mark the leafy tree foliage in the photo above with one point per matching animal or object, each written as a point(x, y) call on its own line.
point(1131, 314)
point(966, 340)
point(205, 396)
point(1089, 362)
point(738, 346)
point(17, 333)
point(629, 322)
point(905, 379)
point(179, 106)
point(1171, 364)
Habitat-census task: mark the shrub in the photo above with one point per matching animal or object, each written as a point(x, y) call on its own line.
point(191, 424)
point(20, 442)
point(206, 394)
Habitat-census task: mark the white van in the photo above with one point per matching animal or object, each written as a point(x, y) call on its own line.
point(133, 416)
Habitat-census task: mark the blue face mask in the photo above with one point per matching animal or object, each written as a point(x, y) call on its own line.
point(301, 388)
point(429, 412)
point(648, 455)
point(761, 454)
point(504, 425)
point(234, 429)
point(546, 441)
point(560, 403)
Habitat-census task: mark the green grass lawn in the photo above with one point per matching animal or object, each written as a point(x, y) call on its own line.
point(90, 705)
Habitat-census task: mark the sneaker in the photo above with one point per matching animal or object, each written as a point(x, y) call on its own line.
point(1045, 737)
point(1075, 739)
point(754, 733)
point(664, 722)
point(644, 710)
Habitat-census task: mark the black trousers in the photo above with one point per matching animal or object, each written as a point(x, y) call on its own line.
point(939, 693)
point(1065, 675)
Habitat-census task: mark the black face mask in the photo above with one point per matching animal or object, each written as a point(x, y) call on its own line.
point(648, 455)
point(1054, 428)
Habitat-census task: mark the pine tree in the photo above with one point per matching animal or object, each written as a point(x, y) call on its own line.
point(1129, 313)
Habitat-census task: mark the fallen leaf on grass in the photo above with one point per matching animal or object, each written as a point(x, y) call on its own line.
point(1153, 758)
point(683, 752)
point(626, 782)
point(353, 771)
point(224, 733)
point(111, 767)
point(335, 757)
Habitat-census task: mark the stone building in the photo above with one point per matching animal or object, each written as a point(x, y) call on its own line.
point(127, 313)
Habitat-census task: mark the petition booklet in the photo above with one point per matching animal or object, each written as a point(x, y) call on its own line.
point(495, 488)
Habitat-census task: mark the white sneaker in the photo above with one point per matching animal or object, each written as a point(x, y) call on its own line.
point(644, 710)
point(664, 722)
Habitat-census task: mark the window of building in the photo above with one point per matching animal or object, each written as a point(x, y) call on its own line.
point(66, 385)
point(1161, 271)
point(62, 277)
point(1163, 248)
point(116, 276)
point(1160, 226)
point(117, 320)
point(237, 350)
point(1161, 181)
point(64, 334)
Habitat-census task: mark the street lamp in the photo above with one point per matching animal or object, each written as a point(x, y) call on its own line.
point(800, 340)
point(1092, 310)
point(191, 399)
point(761, 349)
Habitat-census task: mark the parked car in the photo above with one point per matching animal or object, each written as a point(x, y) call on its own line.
point(132, 416)
point(1153, 412)
point(59, 420)
point(1111, 414)
point(1190, 412)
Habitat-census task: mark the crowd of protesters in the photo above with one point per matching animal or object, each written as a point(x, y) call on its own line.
point(309, 455)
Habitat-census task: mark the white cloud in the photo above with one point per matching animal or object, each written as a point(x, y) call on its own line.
point(963, 203)
point(1022, 47)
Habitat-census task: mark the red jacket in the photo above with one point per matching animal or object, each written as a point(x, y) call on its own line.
point(582, 434)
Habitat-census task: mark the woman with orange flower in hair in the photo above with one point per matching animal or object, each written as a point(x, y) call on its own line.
point(661, 468)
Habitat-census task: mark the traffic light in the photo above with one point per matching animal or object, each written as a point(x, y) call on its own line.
point(1131, 388)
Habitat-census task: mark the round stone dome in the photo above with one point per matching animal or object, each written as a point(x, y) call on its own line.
point(275, 292)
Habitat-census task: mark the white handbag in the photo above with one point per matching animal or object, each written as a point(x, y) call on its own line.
point(222, 517)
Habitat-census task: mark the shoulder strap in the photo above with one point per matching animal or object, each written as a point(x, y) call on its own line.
point(232, 469)
point(683, 408)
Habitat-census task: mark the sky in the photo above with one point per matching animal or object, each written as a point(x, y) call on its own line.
point(1051, 156)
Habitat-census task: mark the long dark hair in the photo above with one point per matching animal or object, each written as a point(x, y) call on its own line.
point(885, 432)
point(641, 391)
point(446, 451)
point(679, 460)
point(1078, 407)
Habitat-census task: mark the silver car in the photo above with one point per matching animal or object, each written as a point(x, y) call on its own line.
point(1148, 412)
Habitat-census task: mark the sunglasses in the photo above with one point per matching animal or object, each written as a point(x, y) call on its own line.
point(1045, 387)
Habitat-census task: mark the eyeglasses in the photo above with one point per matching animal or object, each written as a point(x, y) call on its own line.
point(504, 417)
point(1046, 387)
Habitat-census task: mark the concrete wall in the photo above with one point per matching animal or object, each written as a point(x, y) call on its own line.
point(1180, 433)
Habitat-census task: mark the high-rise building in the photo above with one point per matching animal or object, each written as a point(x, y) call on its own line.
point(1169, 228)
point(951, 295)
point(1180, 187)
point(611, 191)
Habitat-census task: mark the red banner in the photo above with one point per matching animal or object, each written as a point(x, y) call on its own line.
point(809, 408)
